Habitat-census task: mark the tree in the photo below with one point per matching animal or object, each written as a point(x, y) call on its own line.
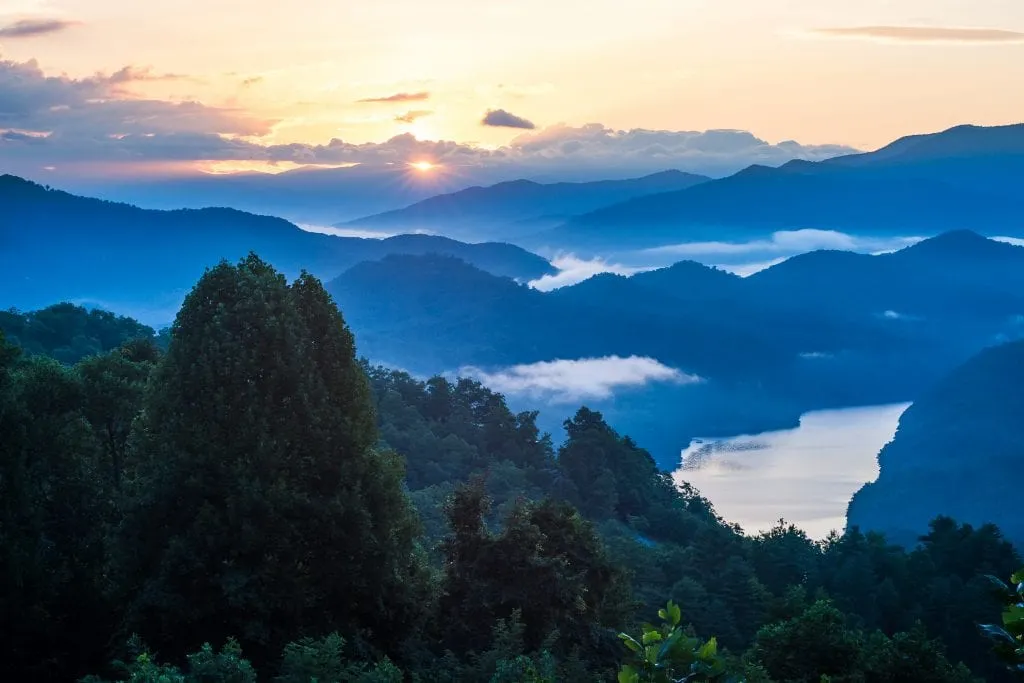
point(54, 512)
point(546, 565)
point(113, 385)
point(261, 509)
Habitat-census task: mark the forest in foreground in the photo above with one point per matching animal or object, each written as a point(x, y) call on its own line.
point(242, 499)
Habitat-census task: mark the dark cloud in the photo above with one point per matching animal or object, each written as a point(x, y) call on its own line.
point(80, 118)
point(412, 115)
point(924, 34)
point(27, 28)
point(503, 119)
point(249, 82)
point(399, 97)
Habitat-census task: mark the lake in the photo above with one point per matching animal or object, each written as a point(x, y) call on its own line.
point(804, 475)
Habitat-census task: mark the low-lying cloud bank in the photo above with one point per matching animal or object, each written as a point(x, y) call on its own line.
point(569, 381)
point(741, 258)
point(746, 258)
point(572, 270)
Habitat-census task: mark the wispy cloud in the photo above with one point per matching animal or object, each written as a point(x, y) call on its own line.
point(28, 28)
point(568, 381)
point(132, 74)
point(923, 34)
point(502, 119)
point(788, 242)
point(572, 270)
point(399, 97)
point(412, 115)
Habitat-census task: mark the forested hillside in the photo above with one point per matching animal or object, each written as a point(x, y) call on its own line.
point(964, 436)
point(311, 517)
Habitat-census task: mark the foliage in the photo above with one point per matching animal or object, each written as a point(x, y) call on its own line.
point(667, 654)
point(546, 567)
point(322, 661)
point(819, 645)
point(1009, 635)
point(68, 333)
point(246, 479)
point(260, 507)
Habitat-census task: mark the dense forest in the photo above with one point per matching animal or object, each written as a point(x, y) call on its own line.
point(242, 499)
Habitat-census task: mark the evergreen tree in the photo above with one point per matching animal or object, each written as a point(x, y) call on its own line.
point(261, 509)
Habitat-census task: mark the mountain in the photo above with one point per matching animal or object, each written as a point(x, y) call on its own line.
point(318, 196)
point(437, 313)
point(958, 275)
point(963, 178)
point(823, 330)
point(511, 209)
point(55, 246)
point(959, 451)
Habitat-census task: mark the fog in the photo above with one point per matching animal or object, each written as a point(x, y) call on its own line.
point(741, 258)
point(570, 381)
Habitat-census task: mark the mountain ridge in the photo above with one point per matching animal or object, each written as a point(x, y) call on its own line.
point(106, 244)
point(960, 178)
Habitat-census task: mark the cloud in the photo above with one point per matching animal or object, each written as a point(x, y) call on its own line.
point(399, 97)
point(787, 242)
point(572, 270)
point(412, 115)
point(747, 258)
point(97, 121)
point(28, 28)
point(1015, 241)
point(923, 34)
point(253, 80)
point(132, 74)
point(568, 381)
point(502, 119)
point(346, 232)
point(718, 152)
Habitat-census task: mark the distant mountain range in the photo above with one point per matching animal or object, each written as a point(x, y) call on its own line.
point(55, 246)
point(318, 196)
point(826, 329)
point(959, 451)
point(520, 207)
point(967, 177)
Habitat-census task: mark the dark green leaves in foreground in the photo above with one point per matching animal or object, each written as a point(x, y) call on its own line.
point(1009, 635)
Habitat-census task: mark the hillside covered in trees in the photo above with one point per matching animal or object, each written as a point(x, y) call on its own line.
point(965, 435)
point(255, 503)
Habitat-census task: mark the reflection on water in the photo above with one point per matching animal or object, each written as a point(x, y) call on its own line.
point(804, 475)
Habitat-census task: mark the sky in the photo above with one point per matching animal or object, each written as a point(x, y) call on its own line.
point(224, 85)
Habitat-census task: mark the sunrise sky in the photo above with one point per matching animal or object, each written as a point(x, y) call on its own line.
point(190, 81)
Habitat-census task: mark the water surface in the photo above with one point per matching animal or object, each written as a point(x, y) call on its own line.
point(804, 475)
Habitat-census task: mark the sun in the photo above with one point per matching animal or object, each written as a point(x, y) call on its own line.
point(422, 166)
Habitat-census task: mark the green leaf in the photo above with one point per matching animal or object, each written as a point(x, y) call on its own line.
point(628, 674)
point(997, 633)
point(1018, 577)
point(662, 614)
point(708, 650)
point(651, 653)
point(652, 637)
point(675, 613)
point(630, 642)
